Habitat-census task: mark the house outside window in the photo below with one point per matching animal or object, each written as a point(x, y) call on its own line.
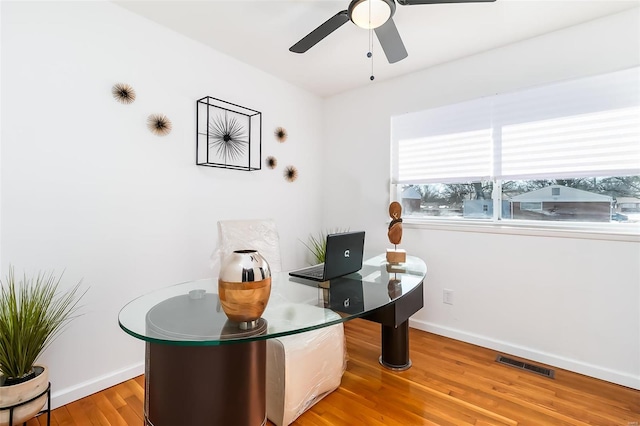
point(573, 205)
point(628, 204)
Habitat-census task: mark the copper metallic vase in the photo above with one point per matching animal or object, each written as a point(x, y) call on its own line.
point(244, 287)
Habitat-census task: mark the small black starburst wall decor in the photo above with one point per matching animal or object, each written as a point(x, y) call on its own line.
point(159, 124)
point(272, 162)
point(123, 93)
point(228, 135)
point(281, 134)
point(291, 173)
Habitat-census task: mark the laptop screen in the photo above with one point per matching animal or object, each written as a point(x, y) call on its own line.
point(344, 254)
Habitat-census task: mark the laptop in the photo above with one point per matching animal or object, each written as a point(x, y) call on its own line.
point(343, 256)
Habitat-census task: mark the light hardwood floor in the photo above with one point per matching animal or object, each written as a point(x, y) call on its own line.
point(450, 383)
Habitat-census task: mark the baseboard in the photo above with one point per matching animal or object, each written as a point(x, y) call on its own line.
point(590, 370)
point(73, 393)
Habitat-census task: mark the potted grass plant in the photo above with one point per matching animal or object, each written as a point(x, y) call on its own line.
point(33, 311)
point(317, 244)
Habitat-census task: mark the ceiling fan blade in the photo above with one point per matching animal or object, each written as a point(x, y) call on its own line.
point(414, 2)
point(391, 42)
point(311, 39)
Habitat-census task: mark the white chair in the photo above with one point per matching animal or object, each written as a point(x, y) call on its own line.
point(302, 368)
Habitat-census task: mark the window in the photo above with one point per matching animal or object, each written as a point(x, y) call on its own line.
point(563, 152)
point(530, 206)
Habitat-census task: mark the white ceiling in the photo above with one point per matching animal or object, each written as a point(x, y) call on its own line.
point(260, 33)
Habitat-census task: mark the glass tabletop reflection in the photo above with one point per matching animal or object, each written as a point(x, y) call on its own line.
point(190, 313)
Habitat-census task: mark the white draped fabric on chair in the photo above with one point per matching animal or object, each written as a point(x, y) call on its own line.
point(301, 368)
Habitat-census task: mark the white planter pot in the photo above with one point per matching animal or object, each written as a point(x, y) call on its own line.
point(14, 394)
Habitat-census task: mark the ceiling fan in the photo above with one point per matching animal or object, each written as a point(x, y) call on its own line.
point(370, 14)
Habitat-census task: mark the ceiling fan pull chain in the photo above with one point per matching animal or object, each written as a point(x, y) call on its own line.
point(371, 56)
point(370, 52)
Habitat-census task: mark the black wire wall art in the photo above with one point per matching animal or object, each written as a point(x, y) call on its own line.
point(228, 135)
point(123, 93)
point(281, 134)
point(159, 124)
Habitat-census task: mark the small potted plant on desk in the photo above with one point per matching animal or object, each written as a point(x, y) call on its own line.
point(317, 245)
point(32, 313)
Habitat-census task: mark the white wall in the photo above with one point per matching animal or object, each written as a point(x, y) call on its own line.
point(572, 303)
point(87, 188)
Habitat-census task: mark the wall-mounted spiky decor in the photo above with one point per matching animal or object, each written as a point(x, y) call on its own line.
point(272, 162)
point(228, 135)
point(291, 173)
point(123, 93)
point(280, 134)
point(159, 124)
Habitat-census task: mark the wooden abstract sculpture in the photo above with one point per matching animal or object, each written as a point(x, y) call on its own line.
point(395, 255)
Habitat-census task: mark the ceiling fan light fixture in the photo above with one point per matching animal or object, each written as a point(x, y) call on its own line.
point(370, 14)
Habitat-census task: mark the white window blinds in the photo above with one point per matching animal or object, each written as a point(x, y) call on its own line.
point(581, 128)
point(450, 144)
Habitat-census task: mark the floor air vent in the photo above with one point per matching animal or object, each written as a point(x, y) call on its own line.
point(525, 366)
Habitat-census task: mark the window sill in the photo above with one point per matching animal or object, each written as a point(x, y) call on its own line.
point(609, 231)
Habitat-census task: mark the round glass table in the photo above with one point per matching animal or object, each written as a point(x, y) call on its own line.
point(203, 369)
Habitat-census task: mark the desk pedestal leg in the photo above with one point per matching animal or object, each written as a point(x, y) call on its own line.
point(395, 347)
point(205, 385)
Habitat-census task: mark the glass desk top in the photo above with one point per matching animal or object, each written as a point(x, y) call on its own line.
point(190, 313)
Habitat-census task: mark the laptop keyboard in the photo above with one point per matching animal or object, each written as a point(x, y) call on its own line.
point(314, 271)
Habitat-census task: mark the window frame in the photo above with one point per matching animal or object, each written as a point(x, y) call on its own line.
point(577, 230)
point(612, 231)
point(413, 127)
point(629, 232)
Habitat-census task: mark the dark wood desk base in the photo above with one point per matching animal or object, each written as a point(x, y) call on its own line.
point(206, 385)
point(395, 347)
point(394, 320)
point(226, 384)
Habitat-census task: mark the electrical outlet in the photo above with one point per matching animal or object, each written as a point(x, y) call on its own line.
point(447, 296)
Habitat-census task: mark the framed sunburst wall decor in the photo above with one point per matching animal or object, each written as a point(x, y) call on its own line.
point(228, 135)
